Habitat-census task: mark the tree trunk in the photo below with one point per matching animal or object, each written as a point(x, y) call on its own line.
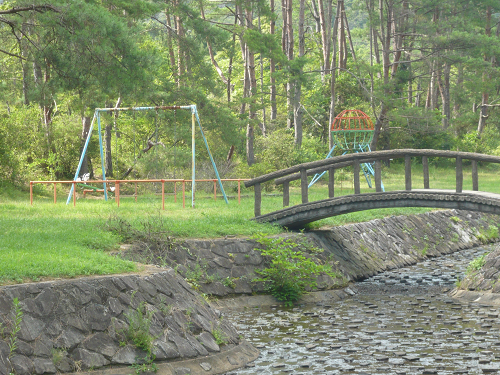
point(272, 70)
point(252, 92)
point(324, 22)
point(290, 90)
point(483, 113)
point(211, 51)
point(180, 49)
point(297, 110)
point(444, 88)
point(107, 140)
point(170, 46)
point(333, 67)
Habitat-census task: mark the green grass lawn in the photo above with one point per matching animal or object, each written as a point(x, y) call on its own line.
point(59, 240)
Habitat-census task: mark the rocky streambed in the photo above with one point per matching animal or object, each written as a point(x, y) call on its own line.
point(398, 322)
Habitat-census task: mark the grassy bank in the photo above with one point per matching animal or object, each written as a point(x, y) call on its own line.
point(56, 240)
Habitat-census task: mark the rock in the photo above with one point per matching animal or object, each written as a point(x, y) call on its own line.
point(69, 339)
point(165, 350)
point(44, 366)
point(128, 355)
point(205, 366)
point(208, 341)
point(22, 365)
point(102, 344)
point(89, 359)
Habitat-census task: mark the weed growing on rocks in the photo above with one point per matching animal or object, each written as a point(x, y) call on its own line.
point(229, 282)
point(138, 329)
point(57, 355)
point(145, 365)
point(219, 336)
point(16, 326)
point(476, 264)
point(488, 235)
point(290, 271)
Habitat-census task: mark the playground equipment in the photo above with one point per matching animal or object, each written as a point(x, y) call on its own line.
point(195, 118)
point(352, 132)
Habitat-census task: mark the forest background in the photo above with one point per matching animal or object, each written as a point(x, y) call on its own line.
point(267, 77)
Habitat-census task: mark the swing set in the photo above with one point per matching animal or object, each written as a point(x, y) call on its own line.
point(194, 119)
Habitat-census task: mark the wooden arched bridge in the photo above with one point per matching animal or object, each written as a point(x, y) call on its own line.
point(306, 212)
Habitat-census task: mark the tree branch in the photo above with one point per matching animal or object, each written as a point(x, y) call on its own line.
point(36, 8)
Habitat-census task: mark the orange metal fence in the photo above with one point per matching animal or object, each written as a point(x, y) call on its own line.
point(118, 182)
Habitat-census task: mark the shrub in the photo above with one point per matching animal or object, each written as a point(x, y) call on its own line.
point(290, 271)
point(476, 264)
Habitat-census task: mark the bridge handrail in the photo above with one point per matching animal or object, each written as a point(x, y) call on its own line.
point(363, 157)
point(284, 176)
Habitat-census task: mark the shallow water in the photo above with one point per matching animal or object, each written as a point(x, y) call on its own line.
point(398, 322)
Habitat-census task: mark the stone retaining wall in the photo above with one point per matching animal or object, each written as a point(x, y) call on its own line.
point(72, 325)
point(487, 277)
point(82, 324)
point(223, 267)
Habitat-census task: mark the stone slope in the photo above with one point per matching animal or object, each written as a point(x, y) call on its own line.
point(82, 324)
point(224, 267)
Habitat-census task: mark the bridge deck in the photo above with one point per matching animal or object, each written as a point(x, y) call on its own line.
point(298, 216)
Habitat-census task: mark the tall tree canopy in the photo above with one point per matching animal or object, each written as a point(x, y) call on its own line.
point(427, 72)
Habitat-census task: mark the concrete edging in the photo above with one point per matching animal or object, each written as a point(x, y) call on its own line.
point(218, 363)
point(485, 298)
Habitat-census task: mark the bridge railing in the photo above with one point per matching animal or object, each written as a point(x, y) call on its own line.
point(301, 171)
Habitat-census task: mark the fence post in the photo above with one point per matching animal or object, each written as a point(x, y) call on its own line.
point(215, 190)
point(55, 193)
point(408, 172)
point(331, 182)
point(117, 192)
point(163, 194)
point(459, 174)
point(239, 191)
point(286, 194)
point(378, 176)
point(304, 186)
point(74, 193)
point(356, 170)
point(425, 165)
point(475, 182)
point(31, 193)
point(183, 193)
point(258, 199)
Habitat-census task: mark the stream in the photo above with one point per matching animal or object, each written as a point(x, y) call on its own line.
point(398, 322)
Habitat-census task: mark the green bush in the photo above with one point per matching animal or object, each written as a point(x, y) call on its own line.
point(476, 264)
point(290, 271)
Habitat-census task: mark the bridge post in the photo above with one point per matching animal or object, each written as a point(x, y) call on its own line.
point(425, 165)
point(286, 194)
point(258, 199)
point(378, 176)
point(408, 172)
point(331, 182)
point(304, 185)
point(475, 183)
point(459, 174)
point(356, 170)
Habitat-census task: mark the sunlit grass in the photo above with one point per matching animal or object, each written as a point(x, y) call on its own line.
point(59, 240)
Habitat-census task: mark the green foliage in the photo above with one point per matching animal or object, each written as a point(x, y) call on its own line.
point(220, 336)
point(138, 330)
point(229, 282)
point(17, 316)
point(476, 264)
point(145, 365)
point(290, 271)
point(488, 235)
